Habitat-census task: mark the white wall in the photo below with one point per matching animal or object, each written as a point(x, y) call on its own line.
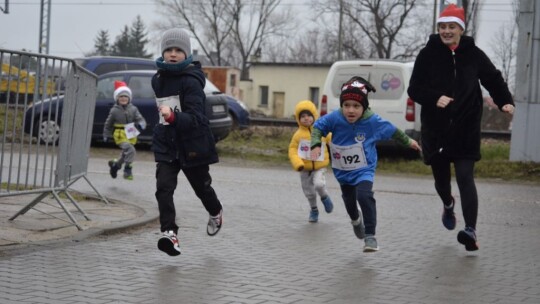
point(294, 80)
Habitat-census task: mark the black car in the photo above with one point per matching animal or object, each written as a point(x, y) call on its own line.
point(47, 127)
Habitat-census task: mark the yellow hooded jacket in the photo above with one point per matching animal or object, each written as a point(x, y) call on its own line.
point(304, 133)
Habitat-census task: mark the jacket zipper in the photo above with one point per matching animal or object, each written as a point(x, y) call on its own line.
point(453, 92)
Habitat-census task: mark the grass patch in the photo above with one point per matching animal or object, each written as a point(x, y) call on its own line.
point(11, 119)
point(269, 146)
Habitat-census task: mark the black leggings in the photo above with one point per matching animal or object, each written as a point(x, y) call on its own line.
point(464, 168)
point(166, 181)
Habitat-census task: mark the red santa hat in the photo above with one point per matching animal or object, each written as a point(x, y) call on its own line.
point(121, 89)
point(453, 13)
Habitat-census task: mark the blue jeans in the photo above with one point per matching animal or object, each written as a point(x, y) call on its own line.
point(364, 195)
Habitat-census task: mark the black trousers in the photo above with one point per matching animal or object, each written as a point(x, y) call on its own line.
point(464, 169)
point(364, 195)
point(166, 181)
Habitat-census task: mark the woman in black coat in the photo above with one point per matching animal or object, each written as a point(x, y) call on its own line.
point(446, 82)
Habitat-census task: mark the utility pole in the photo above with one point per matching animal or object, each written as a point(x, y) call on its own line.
point(340, 30)
point(6, 7)
point(44, 26)
point(525, 142)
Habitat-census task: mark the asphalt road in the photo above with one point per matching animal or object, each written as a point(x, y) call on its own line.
point(267, 252)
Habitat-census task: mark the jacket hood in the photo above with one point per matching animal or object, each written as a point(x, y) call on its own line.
point(305, 105)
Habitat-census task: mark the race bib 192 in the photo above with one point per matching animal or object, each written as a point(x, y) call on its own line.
point(348, 158)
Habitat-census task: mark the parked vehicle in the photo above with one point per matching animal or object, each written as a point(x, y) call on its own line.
point(390, 78)
point(238, 111)
point(99, 65)
point(14, 81)
point(47, 127)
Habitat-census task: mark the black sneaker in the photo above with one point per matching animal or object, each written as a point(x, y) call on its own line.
point(467, 237)
point(169, 243)
point(113, 168)
point(449, 217)
point(358, 228)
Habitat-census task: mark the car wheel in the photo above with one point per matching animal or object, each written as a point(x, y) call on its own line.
point(48, 131)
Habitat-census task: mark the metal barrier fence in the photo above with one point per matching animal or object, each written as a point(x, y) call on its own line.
point(38, 94)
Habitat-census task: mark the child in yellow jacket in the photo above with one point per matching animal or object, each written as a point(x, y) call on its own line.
point(312, 171)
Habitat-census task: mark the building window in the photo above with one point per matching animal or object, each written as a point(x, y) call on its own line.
point(232, 80)
point(314, 95)
point(263, 91)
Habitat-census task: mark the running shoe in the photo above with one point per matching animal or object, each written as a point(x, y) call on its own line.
point(169, 243)
point(328, 206)
point(467, 237)
point(313, 216)
point(359, 228)
point(449, 217)
point(370, 244)
point(214, 223)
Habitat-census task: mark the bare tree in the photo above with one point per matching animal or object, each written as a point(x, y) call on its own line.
point(233, 29)
point(504, 47)
point(389, 28)
point(471, 8)
point(255, 22)
point(210, 21)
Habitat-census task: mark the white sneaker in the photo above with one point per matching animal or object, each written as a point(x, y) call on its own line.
point(169, 243)
point(214, 223)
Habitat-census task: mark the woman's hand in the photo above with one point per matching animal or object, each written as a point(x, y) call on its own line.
point(444, 101)
point(508, 108)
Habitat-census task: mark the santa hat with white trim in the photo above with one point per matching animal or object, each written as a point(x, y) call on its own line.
point(453, 13)
point(121, 89)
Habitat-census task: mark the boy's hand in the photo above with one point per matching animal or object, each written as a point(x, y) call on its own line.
point(315, 152)
point(508, 108)
point(165, 111)
point(414, 145)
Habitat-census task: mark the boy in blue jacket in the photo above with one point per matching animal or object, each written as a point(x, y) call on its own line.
point(355, 131)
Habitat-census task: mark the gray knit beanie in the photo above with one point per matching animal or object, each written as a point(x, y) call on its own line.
point(176, 37)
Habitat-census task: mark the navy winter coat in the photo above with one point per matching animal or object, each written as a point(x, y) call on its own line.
point(455, 130)
point(189, 138)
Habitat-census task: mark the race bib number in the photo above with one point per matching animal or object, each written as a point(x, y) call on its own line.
point(304, 150)
point(131, 131)
point(348, 158)
point(172, 102)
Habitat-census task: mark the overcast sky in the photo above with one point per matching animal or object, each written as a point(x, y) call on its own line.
point(75, 23)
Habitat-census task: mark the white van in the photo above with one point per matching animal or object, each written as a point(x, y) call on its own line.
point(391, 80)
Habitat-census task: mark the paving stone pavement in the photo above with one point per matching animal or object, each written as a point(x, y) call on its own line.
point(267, 252)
